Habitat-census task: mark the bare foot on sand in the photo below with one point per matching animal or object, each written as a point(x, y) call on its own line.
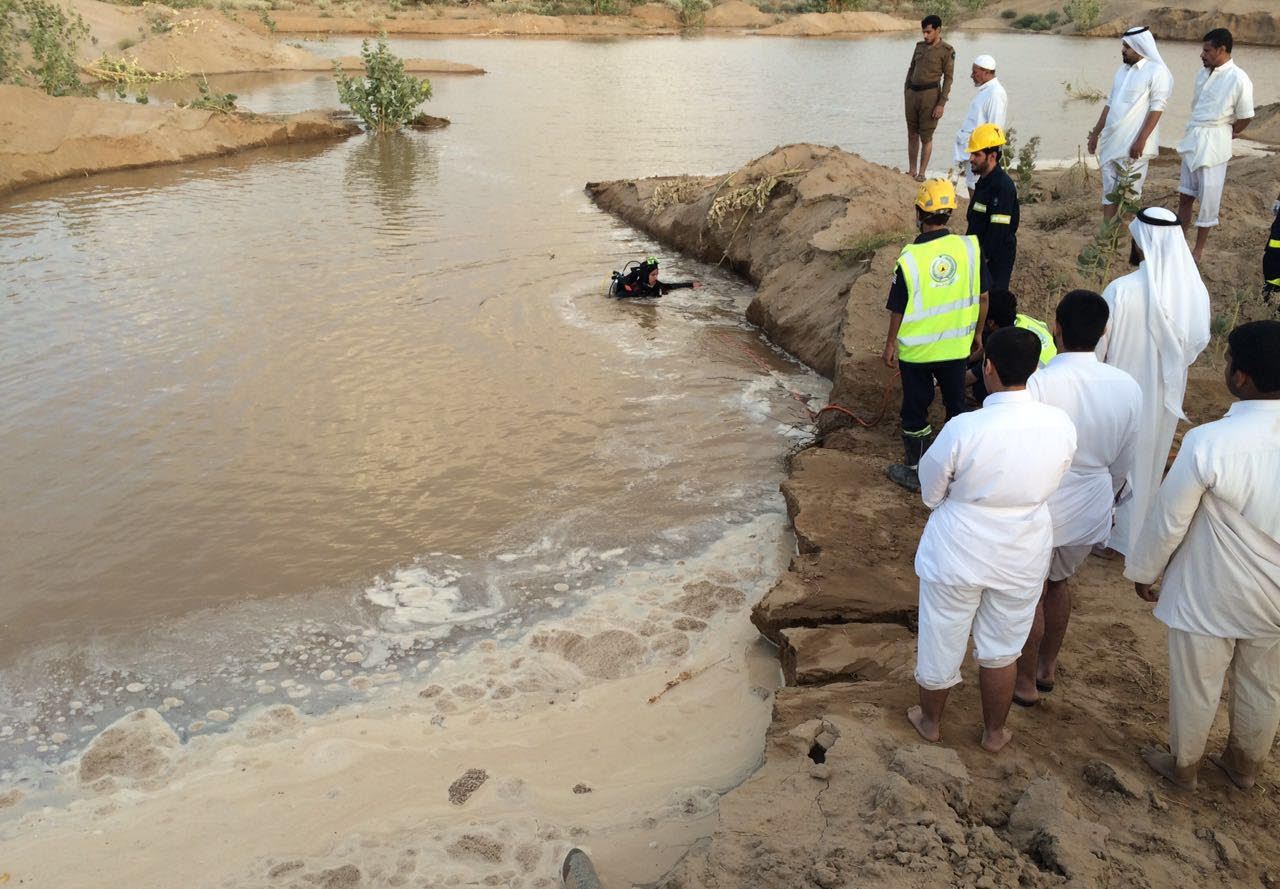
point(1244, 782)
point(1163, 764)
point(996, 743)
point(929, 731)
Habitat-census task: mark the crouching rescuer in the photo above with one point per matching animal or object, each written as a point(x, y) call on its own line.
point(937, 307)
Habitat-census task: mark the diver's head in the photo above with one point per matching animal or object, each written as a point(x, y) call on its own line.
point(649, 270)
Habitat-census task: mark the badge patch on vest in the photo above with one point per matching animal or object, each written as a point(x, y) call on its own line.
point(943, 270)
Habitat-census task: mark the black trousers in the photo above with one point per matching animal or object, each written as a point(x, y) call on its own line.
point(917, 391)
point(1000, 265)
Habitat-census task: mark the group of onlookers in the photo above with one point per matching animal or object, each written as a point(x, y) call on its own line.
point(1067, 455)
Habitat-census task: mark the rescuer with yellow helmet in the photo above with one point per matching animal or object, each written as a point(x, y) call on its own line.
point(937, 307)
point(993, 205)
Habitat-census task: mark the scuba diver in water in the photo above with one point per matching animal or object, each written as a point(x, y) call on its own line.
point(642, 281)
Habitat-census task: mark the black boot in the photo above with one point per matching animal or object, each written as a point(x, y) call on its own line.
point(905, 473)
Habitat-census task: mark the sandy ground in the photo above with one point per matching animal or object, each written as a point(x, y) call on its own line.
point(848, 795)
point(43, 138)
point(615, 729)
point(650, 19)
point(205, 41)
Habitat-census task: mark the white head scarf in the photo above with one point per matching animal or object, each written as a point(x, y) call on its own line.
point(1143, 42)
point(1178, 319)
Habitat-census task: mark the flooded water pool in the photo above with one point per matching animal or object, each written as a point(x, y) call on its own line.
point(259, 407)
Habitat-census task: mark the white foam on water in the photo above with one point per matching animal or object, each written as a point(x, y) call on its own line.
point(423, 595)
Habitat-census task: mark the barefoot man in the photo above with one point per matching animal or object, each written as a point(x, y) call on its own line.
point(1214, 533)
point(1104, 403)
point(1220, 111)
point(985, 551)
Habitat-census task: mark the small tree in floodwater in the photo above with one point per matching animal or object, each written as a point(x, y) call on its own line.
point(387, 97)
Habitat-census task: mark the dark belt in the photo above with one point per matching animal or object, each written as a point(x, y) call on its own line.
point(921, 87)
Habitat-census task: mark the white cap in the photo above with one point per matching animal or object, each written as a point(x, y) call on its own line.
point(985, 61)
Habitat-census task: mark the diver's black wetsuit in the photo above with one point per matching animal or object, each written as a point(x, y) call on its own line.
point(642, 289)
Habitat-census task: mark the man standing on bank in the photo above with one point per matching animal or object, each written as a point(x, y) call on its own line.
point(1220, 111)
point(937, 307)
point(990, 104)
point(985, 550)
point(1214, 533)
point(1104, 403)
point(928, 87)
point(1159, 324)
point(993, 205)
point(1127, 134)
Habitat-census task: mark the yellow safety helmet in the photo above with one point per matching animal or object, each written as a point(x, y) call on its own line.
point(936, 196)
point(986, 136)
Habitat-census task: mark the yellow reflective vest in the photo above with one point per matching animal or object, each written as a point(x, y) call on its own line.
point(1047, 348)
point(943, 287)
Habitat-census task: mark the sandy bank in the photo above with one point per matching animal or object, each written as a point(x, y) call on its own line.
point(449, 22)
point(615, 728)
point(43, 138)
point(847, 796)
point(648, 19)
point(1247, 23)
point(833, 24)
point(205, 41)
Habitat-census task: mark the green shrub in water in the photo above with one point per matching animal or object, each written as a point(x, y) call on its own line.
point(387, 97)
point(208, 100)
point(51, 36)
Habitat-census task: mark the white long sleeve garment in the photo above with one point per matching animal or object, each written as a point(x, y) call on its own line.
point(988, 478)
point(1104, 404)
point(1132, 345)
point(1223, 96)
point(1216, 526)
point(1136, 91)
point(990, 104)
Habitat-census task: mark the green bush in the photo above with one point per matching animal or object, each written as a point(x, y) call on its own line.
point(943, 9)
point(51, 37)
point(1009, 14)
point(1033, 22)
point(1084, 13)
point(387, 97)
point(208, 100)
point(974, 5)
point(692, 12)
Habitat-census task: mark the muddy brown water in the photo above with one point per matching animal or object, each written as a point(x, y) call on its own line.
point(253, 404)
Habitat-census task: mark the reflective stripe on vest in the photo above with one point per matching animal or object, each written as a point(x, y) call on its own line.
point(942, 301)
point(1001, 219)
point(1047, 348)
point(1273, 243)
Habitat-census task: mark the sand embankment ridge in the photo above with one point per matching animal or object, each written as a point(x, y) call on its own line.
point(203, 42)
point(847, 794)
point(43, 139)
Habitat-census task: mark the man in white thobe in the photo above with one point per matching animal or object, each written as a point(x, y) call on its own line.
point(1159, 324)
point(990, 104)
point(1127, 134)
point(1104, 403)
point(985, 551)
point(1220, 111)
point(1215, 536)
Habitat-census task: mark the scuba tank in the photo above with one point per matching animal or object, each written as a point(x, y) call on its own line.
point(625, 283)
